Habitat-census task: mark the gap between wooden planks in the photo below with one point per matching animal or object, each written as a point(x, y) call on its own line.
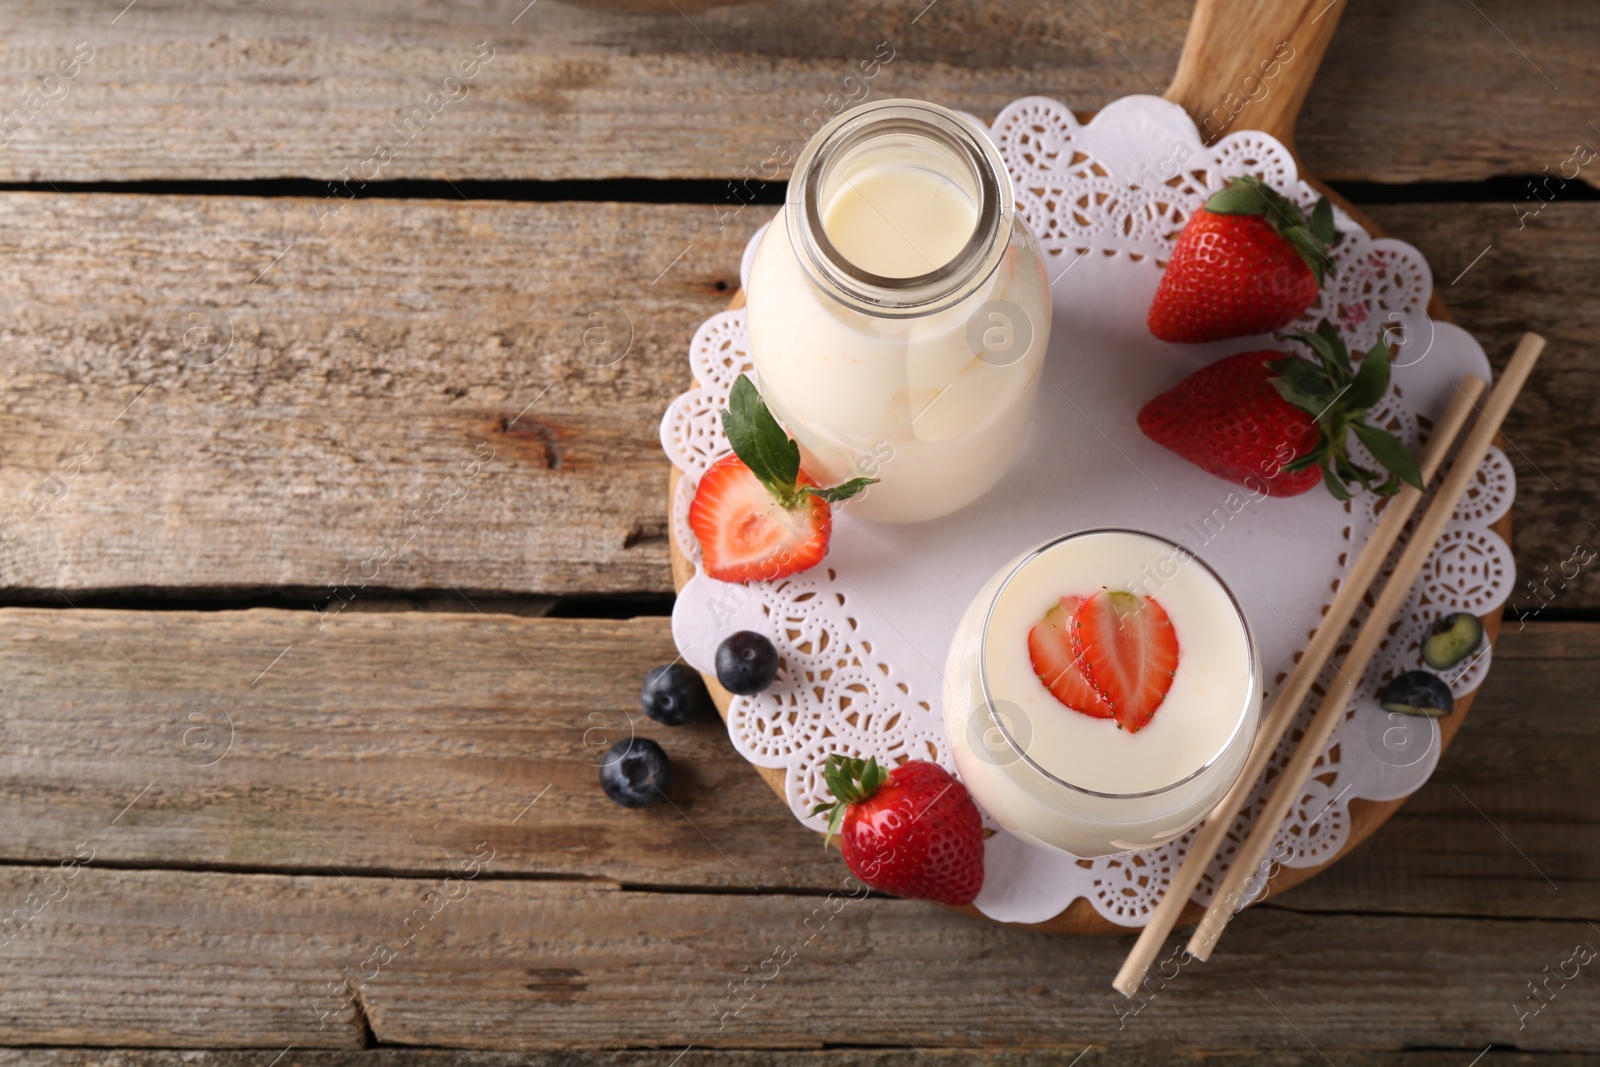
point(746, 1057)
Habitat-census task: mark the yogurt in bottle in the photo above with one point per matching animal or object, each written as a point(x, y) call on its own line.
point(899, 310)
point(1058, 777)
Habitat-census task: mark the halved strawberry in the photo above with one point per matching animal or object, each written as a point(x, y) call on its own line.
point(746, 534)
point(1129, 652)
point(1050, 650)
point(756, 514)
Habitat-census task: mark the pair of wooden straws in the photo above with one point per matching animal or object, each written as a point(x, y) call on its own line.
point(1232, 895)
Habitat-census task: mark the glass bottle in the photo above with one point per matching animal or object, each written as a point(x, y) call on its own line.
point(899, 310)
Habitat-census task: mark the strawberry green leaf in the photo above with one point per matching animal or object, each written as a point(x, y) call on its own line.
point(1365, 477)
point(1371, 381)
point(1387, 449)
point(758, 440)
point(1241, 196)
point(1322, 222)
point(1338, 398)
point(843, 491)
point(768, 451)
point(1331, 352)
point(1308, 460)
point(1311, 405)
point(1330, 333)
point(1303, 376)
point(1335, 486)
point(1310, 249)
point(851, 781)
point(1319, 345)
point(873, 777)
point(1249, 195)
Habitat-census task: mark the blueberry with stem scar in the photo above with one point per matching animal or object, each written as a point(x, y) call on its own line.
point(746, 663)
point(635, 772)
point(675, 694)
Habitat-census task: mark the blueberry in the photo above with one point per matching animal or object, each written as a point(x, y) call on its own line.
point(1418, 693)
point(746, 663)
point(674, 694)
point(1454, 638)
point(635, 772)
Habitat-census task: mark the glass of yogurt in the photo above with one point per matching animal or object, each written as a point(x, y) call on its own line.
point(898, 310)
point(1059, 777)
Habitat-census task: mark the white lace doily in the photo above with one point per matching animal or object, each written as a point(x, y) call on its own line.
point(863, 636)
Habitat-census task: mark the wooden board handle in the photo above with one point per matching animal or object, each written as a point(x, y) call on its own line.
point(1248, 64)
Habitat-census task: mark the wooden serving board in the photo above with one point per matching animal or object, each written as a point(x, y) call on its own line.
point(1227, 43)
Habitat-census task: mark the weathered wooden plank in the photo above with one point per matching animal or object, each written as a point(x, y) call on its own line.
point(397, 342)
point(711, 89)
point(214, 392)
point(833, 1057)
point(187, 959)
point(392, 742)
point(379, 742)
point(1536, 273)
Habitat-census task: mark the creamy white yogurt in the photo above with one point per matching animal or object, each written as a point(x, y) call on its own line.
point(899, 221)
point(1061, 778)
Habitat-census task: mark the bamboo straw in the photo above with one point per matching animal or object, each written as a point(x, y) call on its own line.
point(1292, 782)
point(1288, 698)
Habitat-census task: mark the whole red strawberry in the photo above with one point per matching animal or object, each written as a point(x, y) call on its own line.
point(1278, 424)
point(912, 831)
point(1248, 262)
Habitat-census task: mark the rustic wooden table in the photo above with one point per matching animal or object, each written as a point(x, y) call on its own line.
point(333, 548)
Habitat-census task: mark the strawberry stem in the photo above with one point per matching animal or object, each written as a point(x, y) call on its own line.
point(771, 454)
point(1338, 396)
point(1311, 238)
point(851, 781)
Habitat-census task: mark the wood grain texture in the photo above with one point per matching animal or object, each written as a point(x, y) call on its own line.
point(1533, 275)
point(395, 743)
point(373, 361)
point(186, 959)
point(644, 88)
point(698, 1057)
point(380, 742)
point(373, 358)
point(377, 345)
point(1249, 66)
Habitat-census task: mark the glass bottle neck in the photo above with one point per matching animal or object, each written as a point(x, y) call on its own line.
point(899, 133)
